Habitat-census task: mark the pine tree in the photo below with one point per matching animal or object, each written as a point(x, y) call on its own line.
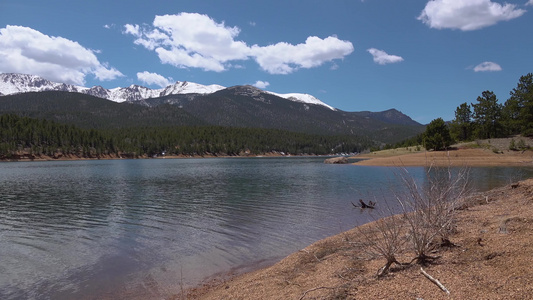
point(487, 116)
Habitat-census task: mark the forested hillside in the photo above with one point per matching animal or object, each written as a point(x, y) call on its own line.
point(246, 106)
point(89, 112)
point(24, 137)
point(243, 107)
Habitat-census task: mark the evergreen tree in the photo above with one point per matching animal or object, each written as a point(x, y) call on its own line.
point(487, 116)
point(461, 127)
point(437, 135)
point(518, 109)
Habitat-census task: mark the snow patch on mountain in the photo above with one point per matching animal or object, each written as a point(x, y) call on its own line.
point(11, 83)
point(22, 83)
point(305, 98)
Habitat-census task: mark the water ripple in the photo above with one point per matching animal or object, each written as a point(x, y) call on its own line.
point(70, 228)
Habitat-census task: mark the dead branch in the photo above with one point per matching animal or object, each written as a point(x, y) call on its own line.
point(370, 204)
point(318, 259)
point(435, 281)
point(314, 289)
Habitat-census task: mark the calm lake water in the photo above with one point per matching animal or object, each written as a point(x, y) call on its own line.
point(145, 228)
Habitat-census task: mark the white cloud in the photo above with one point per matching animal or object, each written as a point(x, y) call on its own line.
point(467, 14)
point(261, 84)
point(28, 51)
point(381, 57)
point(530, 2)
point(285, 58)
point(154, 78)
point(487, 66)
point(190, 40)
point(132, 29)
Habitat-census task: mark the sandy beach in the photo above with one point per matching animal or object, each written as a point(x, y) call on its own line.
point(485, 153)
point(456, 157)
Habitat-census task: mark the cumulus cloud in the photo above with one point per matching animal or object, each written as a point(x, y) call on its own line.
point(487, 66)
point(154, 79)
point(285, 58)
point(191, 40)
point(261, 84)
point(381, 57)
point(530, 3)
point(25, 50)
point(467, 14)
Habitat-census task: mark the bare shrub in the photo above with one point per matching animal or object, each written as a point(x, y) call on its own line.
point(424, 218)
point(429, 207)
point(384, 236)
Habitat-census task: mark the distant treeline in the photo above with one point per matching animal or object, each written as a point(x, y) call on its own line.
point(485, 118)
point(29, 137)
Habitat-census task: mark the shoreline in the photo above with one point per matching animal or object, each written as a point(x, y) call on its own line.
point(455, 157)
point(488, 263)
point(305, 271)
point(479, 153)
point(113, 157)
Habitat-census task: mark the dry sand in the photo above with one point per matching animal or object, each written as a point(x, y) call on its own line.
point(493, 152)
point(457, 157)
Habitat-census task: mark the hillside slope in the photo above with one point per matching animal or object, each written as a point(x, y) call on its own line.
point(240, 106)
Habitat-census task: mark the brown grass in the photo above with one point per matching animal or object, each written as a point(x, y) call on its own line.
point(473, 157)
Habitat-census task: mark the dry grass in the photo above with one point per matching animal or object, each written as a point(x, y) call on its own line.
point(494, 152)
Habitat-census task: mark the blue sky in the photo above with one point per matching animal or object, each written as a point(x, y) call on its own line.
point(421, 57)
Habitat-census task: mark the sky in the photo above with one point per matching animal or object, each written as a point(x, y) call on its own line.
point(423, 58)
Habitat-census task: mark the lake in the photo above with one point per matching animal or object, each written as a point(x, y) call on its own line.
point(139, 228)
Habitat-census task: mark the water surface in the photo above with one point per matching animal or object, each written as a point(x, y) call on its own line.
point(138, 228)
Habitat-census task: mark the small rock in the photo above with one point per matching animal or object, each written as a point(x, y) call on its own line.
point(336, 160)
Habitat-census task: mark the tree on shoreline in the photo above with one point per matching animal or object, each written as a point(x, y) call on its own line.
point(437, 135)
point(518, 109)
point(487, 116)
point(461, 126)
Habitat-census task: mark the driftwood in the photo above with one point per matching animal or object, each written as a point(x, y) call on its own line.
point(435, 281)
point(370, 204)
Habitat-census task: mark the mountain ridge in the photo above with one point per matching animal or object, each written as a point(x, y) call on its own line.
point(13, 83)
point(182, 104)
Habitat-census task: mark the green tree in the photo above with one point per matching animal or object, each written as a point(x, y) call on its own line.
point(461, 127)
point(437, 135)
point(518, 109)
point(487, 116)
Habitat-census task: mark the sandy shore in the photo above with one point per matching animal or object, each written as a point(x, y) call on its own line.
point(457, 157)
point(492, 260)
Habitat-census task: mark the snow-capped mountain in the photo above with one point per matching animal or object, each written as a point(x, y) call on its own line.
point(305, 98)
point(12, 83)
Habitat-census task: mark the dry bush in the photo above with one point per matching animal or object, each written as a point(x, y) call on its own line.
point(427, 210)
point(384, 237)
point(429, 207)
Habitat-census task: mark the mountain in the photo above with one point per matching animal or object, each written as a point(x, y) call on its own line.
point(189, 104)
point(89, 112)
point(12, 83)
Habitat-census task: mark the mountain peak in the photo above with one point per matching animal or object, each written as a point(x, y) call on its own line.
point(13, 83)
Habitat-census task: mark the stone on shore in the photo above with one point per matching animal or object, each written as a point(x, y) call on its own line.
point(336, 160)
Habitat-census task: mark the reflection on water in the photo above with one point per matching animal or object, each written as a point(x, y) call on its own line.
point(137, 228)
